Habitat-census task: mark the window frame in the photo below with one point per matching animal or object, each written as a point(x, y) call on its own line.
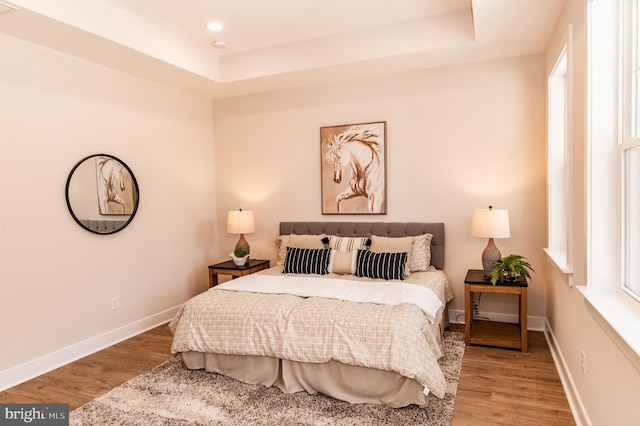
point(560, 225)
point(630, 127)
point(617, 313)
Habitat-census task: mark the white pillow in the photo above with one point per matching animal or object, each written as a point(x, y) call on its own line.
point(307, 241)
point(421, 253)
point(282, 242)
point(342, 262)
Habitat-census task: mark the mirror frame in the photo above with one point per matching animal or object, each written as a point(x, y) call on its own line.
point(133, 180)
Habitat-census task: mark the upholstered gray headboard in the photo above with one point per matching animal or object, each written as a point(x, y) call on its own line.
point(102, 226)
point(366, 229)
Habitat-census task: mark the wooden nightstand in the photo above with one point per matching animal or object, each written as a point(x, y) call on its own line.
point(491, 333)
point(230, 268)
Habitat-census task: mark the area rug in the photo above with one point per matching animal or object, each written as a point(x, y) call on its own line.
point(171, 394)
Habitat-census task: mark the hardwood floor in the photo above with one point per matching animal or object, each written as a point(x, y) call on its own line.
point(81, 381)
point(497, 386)
point(508, 387)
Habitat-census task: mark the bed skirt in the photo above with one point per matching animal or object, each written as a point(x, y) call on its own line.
point(350, 383)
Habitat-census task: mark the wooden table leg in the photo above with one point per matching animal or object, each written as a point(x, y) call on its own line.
point(523, 320)
point(468, 314)
point(213, 279)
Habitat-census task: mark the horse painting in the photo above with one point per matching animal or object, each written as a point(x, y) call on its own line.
point(357, 150)
point(111, 180)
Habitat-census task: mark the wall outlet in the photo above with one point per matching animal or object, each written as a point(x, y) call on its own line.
point(115, 303)
point(583, 362)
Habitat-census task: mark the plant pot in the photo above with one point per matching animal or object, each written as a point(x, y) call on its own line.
point(509, 278)
point(239, 261)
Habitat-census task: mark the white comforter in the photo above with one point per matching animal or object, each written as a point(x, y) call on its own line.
point(340, 289)
point(393, 337)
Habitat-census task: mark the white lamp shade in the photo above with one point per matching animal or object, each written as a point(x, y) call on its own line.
point(240, 222)
point(490, 223)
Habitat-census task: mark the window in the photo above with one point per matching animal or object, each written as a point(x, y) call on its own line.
point(613, 172)
point(632, 220)
point(559, 157)
point(629, 148)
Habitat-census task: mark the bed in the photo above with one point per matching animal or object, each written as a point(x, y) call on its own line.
point(382, 350)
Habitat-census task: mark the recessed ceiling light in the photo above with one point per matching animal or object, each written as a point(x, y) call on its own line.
point(215, 26)
point(220, 44)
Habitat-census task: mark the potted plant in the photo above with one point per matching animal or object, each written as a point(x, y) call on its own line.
point(510, 268)
point(240, 256)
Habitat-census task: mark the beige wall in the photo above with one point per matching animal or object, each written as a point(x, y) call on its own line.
point(458, 138)
point(607, 393)
point(56, 279)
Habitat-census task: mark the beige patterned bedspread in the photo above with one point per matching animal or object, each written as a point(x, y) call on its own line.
point(394, 338)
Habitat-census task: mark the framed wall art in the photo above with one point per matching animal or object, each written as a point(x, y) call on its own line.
point(354, 168)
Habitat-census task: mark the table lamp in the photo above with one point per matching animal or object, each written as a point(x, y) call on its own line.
point(241, 222)
point(490, 223)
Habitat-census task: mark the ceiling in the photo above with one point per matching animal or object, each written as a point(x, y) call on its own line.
point(279, 44)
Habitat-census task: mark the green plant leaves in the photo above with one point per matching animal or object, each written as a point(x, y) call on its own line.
point(513, 265)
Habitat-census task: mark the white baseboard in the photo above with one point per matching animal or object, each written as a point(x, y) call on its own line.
point(573, 397)
point(533, 323)
point(30, 369)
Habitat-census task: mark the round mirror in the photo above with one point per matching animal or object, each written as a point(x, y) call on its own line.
point(102, 194)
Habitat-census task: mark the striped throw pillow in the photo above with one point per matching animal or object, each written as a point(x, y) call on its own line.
point(347, 243)
point(394, 245)
point(387, 266)
point(306, 261)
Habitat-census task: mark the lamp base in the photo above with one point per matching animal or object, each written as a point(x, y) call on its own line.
point(490, 255)
point(242, 243)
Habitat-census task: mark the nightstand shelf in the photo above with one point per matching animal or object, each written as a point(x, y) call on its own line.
point(492, 333)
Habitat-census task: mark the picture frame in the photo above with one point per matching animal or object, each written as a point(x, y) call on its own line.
point(354, 168)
